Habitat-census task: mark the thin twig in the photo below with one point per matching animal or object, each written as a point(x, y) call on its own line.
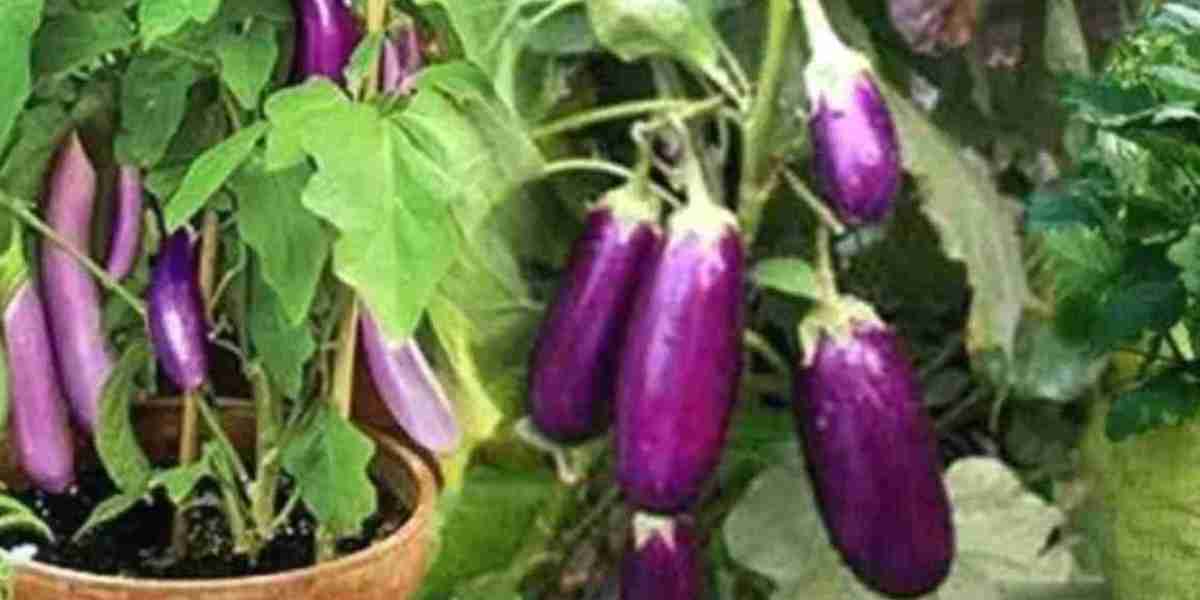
point(814, 203)
point(603, 166)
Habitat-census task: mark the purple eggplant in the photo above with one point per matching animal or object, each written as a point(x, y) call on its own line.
point(401, 61)
point(175, 309)
point(41, 428)
point(73, 304)
point(661, 561)
point(678, 371)
point(872, 454)
point(856, 152)
point(326, 34)
point(409, 388)
point(574, 362)
point(126, 239)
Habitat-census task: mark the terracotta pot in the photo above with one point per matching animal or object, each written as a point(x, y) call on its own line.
point(390, 569)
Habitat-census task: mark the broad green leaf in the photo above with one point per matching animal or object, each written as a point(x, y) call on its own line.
point(161, 18)
point(116, 439)
point(1105, 103)
point(19, 19)
point(329, 461)
point(1045, 366)
point(37, 134)
point(209, 172)
point(977, 225)
point(154, 95)
point(1001, 529)
point(16, 515)
point(291, 243)
point(283, 346)
point(247, 62)
point(1186, 255)
point(75, 39)
point(111, 508)
point(634, 29)
point(791, 276)
point(181, 480)
point(1165, 401)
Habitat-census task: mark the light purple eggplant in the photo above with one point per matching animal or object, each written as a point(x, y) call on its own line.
point(574, 363)
point(409, 388)
point(326, 34)
point(175, 311)
point(679, 368)
point(126, 241)
point(40, 426)
point(73, 304)
point(872, 454)
point(662, 560)
point(401, 61)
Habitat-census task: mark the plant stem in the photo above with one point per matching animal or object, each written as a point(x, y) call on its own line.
point(762, 116)
point(189, 447)
point(209, 242)
point(266, 485)
point(376, 22)
point(33, 222)
point(683, 108)
point(343, 367)
point(603, 166)
point(826, 279)
point(756, 342)
point(827, 217)
point(213, 422)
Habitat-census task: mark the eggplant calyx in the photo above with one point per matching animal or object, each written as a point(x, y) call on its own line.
point(647, 526)
point(838, 321)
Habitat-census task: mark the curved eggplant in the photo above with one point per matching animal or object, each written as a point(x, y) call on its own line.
point(175, 311)
point(126, 239)
point(73, 300)
point(326, 34)
point(873, 457)
point(661, 561)
point(41, 428)
point(574, 362)
point(409, 388)
point(677, 380)
point(400, 61)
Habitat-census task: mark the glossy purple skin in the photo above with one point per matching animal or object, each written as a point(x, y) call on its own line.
point(574, 362)
point(326, 34)
point(176, 314)
point(400, 61)
point(872, 454)
point(409, 388)
point(73, 305)
point(677, 379)
point(856, 152)
point(661, 568)
point(126, 239)
point(41, 427)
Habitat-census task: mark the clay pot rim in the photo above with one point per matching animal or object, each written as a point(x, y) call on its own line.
point(424, 485)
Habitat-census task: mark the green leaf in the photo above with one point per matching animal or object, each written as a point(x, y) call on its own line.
point(37, 134)
point(19, 19)
point(1046, 366)
point(284, 347)
point(292, 244)
point(161, 18)
point(1084, 261)
point(154, 96)
point(633, 29)
point(1105, 103)
point(111, 508)
point(116, 439)
point(1186, 255)
point(1058, 208)
point(209, 172)
point(329, 460)
point(75, 39)
point(181, 480)
point(1167, 400)
point(247, 62)
point(791, 276)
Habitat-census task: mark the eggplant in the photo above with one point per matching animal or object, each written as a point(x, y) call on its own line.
point(126, 238)
point(73, 306)
point(856, 152)
point(661, 560)
point(401, 61)
point(678, 372)
point(175, 309)
point(573, 366)
point(409, 388)
point(873, 458)
point(41, 428)
point(326, 34)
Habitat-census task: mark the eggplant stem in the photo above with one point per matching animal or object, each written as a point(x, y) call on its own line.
point(806, 194)
point(189, 447)
point(682, 108)
point(756, 342)
point(376, 23)
point(33, 222)
point(209, 241)
point(343, 368)
point(826, 279)
point(597, 165)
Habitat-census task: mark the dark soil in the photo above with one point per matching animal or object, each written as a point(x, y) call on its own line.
point(135, 545)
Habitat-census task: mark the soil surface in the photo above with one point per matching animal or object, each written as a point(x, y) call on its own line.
point(135, 545)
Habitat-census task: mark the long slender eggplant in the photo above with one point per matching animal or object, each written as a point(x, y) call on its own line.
point(41, 428)
point(409, 388)
point(678, 374)
point(73, 300)
point(661, 560)
point(872, 454)
point(326, 34)
point(178, 328)
point(574, 363)
point(401, 61)
point(855, 147)
point(126, 239)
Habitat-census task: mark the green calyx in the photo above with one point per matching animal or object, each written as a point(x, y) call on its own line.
point(709, 220)
point(631, 204)
point(836, 319)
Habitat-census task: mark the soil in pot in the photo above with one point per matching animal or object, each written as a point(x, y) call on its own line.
point(135, 544)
